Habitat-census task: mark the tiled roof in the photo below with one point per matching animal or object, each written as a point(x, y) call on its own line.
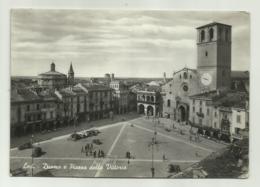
point(213, 23)
point(95, 87)
point(240, 74)
point(67, 92)
point(226, 99)
point(24, 94)
point(53, 73)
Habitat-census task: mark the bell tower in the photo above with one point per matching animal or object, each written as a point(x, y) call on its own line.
point(214, 56)
point(71, 76)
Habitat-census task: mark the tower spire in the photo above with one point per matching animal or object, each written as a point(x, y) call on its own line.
point(71, 75)
point(71, 68)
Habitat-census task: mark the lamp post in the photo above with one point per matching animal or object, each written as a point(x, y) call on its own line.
point(152, 169)
point(32, 155)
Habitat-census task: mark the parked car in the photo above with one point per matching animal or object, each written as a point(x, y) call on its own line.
point(96, 141)
point(26, 145)
point(92, 133)
point(18, 172)
point(172, 168)
point(37, 151)
point(75, 136)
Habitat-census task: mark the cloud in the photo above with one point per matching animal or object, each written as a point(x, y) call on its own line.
point(116, 40)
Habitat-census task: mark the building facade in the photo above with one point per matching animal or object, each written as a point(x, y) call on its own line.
point(223, 112)
point(149, 101)
point(120, 96)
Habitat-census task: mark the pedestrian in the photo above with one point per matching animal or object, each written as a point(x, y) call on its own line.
point(164, 158)
point(128, 162)
point(95, 154)
point(82, 149)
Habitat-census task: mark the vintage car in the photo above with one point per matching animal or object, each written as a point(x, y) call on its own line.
point(37, 152)
point(26, 145)
point(18, 172)
point(75, 136)
point(96, 141)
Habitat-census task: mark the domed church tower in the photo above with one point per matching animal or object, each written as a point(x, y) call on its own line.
point(71, 76)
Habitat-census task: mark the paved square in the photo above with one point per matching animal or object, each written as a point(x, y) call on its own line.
point(63, 157)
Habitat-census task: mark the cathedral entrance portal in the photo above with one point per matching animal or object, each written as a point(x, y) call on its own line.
point(182, 113)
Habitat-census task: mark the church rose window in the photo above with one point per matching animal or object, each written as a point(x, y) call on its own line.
point(185, 88)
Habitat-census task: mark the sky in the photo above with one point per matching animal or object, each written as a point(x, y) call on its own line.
point(127, 43)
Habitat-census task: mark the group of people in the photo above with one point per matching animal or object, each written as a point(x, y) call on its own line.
point(196, 137)
point(88, 149)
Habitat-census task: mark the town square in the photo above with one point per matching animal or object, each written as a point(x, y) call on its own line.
point(129, 94)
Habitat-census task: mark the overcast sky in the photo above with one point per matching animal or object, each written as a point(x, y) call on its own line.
point(127, 43)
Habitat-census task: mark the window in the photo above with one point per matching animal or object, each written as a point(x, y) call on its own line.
point(168, 102)
point(200, 110)
point(28, 107)
point(237, 130)
point(170, 92)
point(215, 125)
point(51, 115)
point(223, 73)
point(38, 106)
point(211, 34)
point(193, 109)
point(39, 117)
point(226, 35)
point(200, 102)
point(193, 101)
point(202, 36)
point(215, 114)
point(207, 111)
point(180, 76)
point(206, 53)
point(190, 76)
point(185, 75)
point(238, 119)
point(200, 121)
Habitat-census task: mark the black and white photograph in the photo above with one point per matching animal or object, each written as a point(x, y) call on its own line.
point(111, 93)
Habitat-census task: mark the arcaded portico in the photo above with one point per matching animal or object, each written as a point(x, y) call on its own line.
point(148, 102)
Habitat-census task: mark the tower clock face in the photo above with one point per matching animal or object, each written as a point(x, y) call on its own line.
point(206, 79)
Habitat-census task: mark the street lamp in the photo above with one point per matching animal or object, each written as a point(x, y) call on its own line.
point(32, 155)
point(152, 169)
